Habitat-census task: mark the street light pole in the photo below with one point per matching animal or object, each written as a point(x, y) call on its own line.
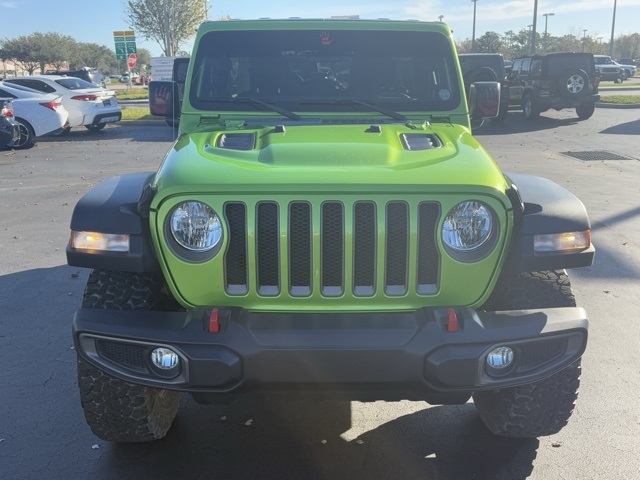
point(613, 26)
point(473, 35)
point(546, 20)
point(535, 19)
point(584, 39)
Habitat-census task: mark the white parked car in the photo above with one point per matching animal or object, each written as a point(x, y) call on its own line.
point(88, 105)
point(628, 71)
point(37, 113)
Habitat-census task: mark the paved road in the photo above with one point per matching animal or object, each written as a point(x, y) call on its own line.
point(42, 431)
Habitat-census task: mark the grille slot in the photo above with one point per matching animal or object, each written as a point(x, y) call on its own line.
point(397, 257)
point(236, 256)
point(126, 355)
point(364, 249)
point(300, 238)
point(532, 356)
point(332, 249)
point(268, 261)
point(329, 242)
point(428, 255)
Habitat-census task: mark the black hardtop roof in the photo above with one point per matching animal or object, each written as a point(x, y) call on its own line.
point(552, 54)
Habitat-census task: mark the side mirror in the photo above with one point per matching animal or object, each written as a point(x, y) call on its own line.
point(164, 99)
point(484, 100)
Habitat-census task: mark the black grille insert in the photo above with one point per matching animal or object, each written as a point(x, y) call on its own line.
point(364, 249)
point(300, 244)
point(267, 236)
point(332, 249)
point(123, 354)
point(397, 257)
point(428, 255)
point(236, 256)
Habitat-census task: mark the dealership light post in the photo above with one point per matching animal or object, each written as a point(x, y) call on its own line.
point(613, 26)
point(473, 34)
point(535, 20)
point(546, 21)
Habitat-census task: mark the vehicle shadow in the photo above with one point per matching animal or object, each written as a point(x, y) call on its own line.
point(629, 128)
point(302, 441)
point(157, 132)
point(516, 123)
point(245, 440)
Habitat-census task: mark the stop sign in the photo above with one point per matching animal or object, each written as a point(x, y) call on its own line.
point(132, 60)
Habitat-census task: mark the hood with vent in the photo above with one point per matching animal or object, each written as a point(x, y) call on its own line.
point(319, 156)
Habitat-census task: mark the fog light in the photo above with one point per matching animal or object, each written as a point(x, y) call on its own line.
point(500, 358)
point(165, 358)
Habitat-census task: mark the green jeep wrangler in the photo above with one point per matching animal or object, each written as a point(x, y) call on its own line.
point(326, 226)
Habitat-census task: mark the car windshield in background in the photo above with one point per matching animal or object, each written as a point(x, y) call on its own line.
point(73, 83)
point(318, 70)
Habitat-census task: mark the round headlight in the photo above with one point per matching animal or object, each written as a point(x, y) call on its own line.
point(467, 226)
point(196, 226)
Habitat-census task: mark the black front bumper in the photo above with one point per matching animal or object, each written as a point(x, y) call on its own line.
point(361, 356)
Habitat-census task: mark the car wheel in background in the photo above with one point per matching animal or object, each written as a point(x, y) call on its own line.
point(27, 136)
point(529, 109)
point(95, 128)
point(585, 110)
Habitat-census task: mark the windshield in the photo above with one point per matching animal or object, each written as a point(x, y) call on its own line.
point(73, 83)
point(317, 70)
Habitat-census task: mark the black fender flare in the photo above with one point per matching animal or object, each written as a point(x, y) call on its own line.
point(115, 206)
point(545, 208)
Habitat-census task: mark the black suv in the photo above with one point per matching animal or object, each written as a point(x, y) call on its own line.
point(88, 74)
point(554, 80)
point(486, 67)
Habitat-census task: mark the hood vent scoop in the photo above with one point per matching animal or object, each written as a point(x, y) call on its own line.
point(420, 141)
point(237, 141)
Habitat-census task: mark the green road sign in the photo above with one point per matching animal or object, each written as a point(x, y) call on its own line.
point(125, 43)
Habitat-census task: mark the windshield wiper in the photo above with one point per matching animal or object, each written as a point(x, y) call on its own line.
point(350, 101)
point(275, 108)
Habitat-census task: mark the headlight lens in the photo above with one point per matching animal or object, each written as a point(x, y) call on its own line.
point(196, 226)
point(467, 226)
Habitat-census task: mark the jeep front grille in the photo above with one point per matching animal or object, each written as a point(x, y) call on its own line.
point(358, 249)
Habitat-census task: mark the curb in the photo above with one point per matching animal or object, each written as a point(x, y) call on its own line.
point(144, 122)
point(617, 105)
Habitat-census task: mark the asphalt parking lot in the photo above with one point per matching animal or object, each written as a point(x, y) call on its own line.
point(42, 429)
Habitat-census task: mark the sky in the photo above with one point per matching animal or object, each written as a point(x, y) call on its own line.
point(95, 21)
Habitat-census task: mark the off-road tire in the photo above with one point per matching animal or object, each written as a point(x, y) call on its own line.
point(585, 110)
point(540, 408)
point(27, 135)
point(114, 409)
point(480, 74)
point(529, 107)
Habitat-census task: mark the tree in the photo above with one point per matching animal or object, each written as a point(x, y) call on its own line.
point(169, 22)
point(490, 42)
point(25, 51)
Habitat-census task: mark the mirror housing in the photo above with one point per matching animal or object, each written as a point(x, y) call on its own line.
point(164, 99)
point(484, 100)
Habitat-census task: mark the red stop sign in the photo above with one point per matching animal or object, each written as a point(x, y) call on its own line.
point(132, 60)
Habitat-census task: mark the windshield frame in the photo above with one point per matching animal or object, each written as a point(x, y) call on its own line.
point(423, 57)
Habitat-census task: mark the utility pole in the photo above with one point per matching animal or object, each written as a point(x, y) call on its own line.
point(546, 19)
point(613, 26)
point(535, 19)
point(473, 35)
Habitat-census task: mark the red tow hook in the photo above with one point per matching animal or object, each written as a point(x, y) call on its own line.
point(452, 321)
point(214, 322)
